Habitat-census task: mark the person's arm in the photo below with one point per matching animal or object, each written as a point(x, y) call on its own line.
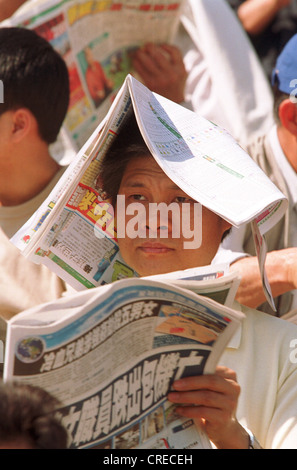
point(8, 7)
point(211, 401)
point(162, 70)
point(255, 15)
point(281, 270)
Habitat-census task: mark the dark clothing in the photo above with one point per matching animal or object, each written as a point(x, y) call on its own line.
point(272, 40)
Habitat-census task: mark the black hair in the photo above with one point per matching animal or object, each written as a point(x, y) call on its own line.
point(28, 415)
point(34, 76)
point(127, 144)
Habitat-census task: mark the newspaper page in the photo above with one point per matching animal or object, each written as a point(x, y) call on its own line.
point(78, 240)
point(111, 354)
point(213, 281)
point(97, 39)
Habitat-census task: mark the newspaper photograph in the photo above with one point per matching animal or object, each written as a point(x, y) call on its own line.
point(120, 347)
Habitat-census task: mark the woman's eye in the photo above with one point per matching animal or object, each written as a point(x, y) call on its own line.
point(182, 199)
point(137, 197)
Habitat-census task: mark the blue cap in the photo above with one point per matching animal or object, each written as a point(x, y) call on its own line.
point(285, 70)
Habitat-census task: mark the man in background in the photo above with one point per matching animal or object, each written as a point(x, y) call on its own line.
point(35, 101)
point(275, 152)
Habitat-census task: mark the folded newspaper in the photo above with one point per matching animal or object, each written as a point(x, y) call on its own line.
point(111, 354)
point(214, 282)
point(77, 241)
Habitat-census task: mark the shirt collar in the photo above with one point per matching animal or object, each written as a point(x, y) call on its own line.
point(285, 168)
point(235, 341)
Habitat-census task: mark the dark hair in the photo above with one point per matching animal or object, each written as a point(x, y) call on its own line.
point(28, 414)
point(129, 143)
point(35, 77)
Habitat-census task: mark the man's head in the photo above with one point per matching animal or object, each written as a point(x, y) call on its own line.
point(129, 170)
point(35, 78)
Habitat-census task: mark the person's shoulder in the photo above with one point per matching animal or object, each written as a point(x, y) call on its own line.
point(266, 323)
point(256, 145)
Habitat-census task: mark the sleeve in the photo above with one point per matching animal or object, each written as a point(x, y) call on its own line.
point(231, 249)
point(282, 432)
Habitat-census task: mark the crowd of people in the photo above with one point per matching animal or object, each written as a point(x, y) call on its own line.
point(245, 403)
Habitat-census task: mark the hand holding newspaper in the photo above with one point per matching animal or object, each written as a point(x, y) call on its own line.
point(74, 233)
point(111, 354)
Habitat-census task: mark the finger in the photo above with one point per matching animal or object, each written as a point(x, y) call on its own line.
point(226, 372)
point(159, 55)
point(206, 398)
point(145, 64)
point(217, 417)
point(174, 53)
point(216, 382)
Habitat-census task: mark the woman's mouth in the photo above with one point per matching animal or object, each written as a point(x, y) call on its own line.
point(154, 248)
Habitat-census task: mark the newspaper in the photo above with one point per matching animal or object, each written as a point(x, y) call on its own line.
point(214, 281)
point(106, 31)
point(73, 231)
point(111, 354)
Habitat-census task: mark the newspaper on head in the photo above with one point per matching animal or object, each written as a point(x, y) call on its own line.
point(74, 232)
point(111, 355)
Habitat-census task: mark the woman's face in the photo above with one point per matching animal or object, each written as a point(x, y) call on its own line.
point(145, 182)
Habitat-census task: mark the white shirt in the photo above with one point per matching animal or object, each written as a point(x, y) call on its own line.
point(12, 218)
point(24, 284)
point(263, 354)
point(290, 176)
point(232, 247)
